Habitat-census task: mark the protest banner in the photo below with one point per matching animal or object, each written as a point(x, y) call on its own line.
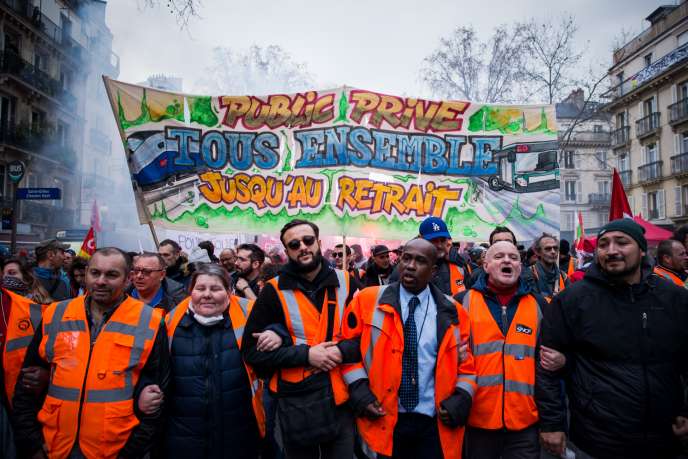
point(355, 162)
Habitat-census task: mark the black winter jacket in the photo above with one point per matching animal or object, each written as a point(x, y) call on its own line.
point(626, 348)
point(209, 412)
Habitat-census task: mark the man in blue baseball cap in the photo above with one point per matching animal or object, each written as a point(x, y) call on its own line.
point(452, 271)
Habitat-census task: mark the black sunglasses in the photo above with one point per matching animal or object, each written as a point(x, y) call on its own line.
point(337, 254)
point(296, 243)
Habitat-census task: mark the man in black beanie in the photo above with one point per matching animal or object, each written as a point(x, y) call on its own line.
point(625, 336)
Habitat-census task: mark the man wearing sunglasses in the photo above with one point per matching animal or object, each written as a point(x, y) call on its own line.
point(150, 285)
point(308, 300)
point(338, 260)
point(544, 276)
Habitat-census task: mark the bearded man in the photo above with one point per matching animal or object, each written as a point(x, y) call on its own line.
point(308, 300)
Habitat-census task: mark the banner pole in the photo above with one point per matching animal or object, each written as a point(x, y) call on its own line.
point(137, 191)
point(344, 257)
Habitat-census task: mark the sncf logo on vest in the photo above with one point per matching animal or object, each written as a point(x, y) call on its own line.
point(523, 329)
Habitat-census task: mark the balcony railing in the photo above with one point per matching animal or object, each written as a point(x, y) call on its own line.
point(599, 199)
point(647, 124)
point(650, 171)
point(673, 59)
point(679, 164)
point(621, 136)
point(678, 112)
point(602, 137)
point(40, 142)
point(12, 63)
point(626, 178)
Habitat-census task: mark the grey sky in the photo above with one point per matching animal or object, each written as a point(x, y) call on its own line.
point(373, 44)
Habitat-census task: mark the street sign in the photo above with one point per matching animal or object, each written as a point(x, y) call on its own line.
point(16, 170)
point(7, 218)
point(39, 193)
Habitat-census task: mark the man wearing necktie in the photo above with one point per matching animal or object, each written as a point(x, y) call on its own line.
point(412, 389)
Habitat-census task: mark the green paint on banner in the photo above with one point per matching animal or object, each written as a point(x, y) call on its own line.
point(286, 167)
point(343, 109)
point(506, 120)
point(200, 111)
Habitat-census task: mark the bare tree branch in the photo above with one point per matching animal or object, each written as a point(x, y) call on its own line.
point(184, 10)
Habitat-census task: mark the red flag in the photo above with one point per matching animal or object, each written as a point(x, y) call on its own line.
point(95, 216)
point(580, 232)
point(88, 247)
point(619, 207)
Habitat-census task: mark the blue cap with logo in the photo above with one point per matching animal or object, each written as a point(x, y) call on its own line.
point(432, 228)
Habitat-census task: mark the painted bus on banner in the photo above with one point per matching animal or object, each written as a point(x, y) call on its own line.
point(526, 167)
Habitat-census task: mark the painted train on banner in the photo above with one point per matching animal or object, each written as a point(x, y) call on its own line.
point(355, 162)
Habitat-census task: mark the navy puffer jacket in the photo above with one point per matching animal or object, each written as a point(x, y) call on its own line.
point(209, 402)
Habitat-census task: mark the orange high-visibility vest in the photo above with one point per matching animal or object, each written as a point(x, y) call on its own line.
point(558, 286)
point(381, 332)
point(668, 275)
point(571, 268)
point(24, 319)
point(456, 279)
point(505, 365)
point(239, 309)
point(308, 326)
point(91, 389)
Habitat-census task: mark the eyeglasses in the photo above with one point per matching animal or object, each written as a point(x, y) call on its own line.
point(337, 254)
point(296, 243)
point(144, 271)
point(550, 249)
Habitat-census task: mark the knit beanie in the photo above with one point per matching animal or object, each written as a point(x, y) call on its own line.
point(628, 226)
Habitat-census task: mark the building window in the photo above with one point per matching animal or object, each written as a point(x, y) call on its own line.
point(681, 201)
point(619, 77)
point(597, 128)
point(602, 159)
point(603, 218)
point(7, 108)
point(567, 221)
point(12, 42)
point(682, 39)
point(648, 59)
point(37, 121)
point(682, 90)
point(649, 106)
point(624, 163)
point(684, 142)
point(653, 205)
point(570, 190)
point(620, 120)
point(40, 61)
point(651, 153)
point(603, 187)
point(569, 160)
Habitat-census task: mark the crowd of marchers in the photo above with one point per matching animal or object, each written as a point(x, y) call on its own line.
point(429, 350)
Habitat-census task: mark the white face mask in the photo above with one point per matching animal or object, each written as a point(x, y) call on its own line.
point(204, 320)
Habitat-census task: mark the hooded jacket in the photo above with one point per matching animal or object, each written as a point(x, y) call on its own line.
point(626, 348)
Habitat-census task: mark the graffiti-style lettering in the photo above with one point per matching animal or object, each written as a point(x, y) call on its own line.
point(372, 197)
point(441, 116)
point(216, 149)
point(261, 192)
point(395, 151)
point(300, 110)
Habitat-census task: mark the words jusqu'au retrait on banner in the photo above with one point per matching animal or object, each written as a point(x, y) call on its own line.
point(354, 162)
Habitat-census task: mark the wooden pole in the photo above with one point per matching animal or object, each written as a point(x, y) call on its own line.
point(137, 191)
point(344, 257)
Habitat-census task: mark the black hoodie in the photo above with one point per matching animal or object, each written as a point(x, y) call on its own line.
point(627, 349)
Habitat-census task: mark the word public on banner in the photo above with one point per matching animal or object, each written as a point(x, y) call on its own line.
point(354, 162)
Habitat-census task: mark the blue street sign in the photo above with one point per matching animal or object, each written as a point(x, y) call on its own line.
point(39, 193)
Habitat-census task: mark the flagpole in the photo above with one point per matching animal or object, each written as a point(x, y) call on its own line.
point(137, 191)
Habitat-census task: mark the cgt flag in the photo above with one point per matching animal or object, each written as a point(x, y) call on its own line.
point(88, 247)
point(580, 232)
point(619, 207)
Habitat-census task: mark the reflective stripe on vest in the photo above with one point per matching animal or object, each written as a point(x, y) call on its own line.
point(377, 320)
point(24, 341)
point(668, 275)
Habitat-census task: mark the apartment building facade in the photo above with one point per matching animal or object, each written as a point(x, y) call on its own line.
point(648, 102)
point(584, 163)
point(49, 52)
